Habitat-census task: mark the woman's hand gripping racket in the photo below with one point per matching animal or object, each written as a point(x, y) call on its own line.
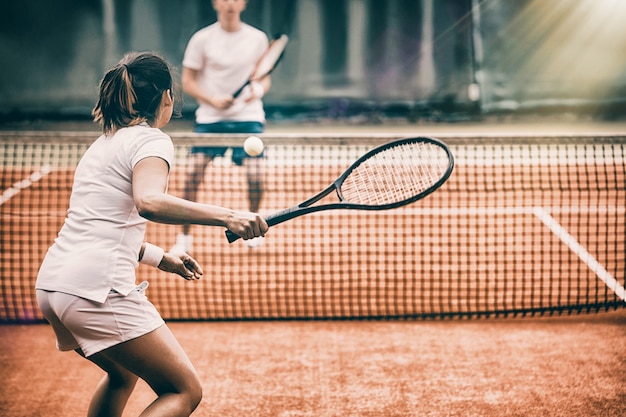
point(389, 176)
point(268, 61)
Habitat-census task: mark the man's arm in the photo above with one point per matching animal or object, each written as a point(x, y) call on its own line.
point(192, 87)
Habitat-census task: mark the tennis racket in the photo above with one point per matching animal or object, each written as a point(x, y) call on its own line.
point(268, 61)
point(389, 176)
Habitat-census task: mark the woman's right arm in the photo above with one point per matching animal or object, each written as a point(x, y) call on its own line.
point(153, 203)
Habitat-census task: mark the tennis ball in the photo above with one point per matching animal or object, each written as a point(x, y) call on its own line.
point(253, 146)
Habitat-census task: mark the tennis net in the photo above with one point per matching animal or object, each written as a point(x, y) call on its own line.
point(526, 225)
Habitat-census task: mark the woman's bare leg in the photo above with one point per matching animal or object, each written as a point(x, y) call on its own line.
point(113, 390)
point(158, 359)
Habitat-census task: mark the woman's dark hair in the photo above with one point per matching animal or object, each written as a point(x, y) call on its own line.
point(131, 92)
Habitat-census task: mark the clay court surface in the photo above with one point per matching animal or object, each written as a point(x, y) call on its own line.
point(553, 366)
point(549, 365)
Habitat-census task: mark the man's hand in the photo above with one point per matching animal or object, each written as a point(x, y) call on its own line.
point(222, 102)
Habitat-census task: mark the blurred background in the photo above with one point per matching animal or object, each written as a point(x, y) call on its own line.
point(360, 60)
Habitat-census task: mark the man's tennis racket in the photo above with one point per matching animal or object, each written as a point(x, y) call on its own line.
point(389, 176)
point(268, 61)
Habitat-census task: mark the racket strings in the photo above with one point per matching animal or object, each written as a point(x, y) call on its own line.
point(396, 174)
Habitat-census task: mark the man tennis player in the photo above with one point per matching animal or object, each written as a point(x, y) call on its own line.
point(217, 61)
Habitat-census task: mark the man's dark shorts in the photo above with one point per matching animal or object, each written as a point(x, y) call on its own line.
point(227, 127)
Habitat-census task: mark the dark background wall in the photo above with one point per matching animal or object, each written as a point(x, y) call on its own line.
point(408, 57)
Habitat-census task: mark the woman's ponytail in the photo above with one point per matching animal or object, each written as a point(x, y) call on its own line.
point(131, 92)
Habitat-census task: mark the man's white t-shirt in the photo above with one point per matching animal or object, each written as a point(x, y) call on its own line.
point(225, 60)
point(97, 248)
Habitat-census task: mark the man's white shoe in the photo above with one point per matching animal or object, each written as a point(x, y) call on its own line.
point(184, 243)
point(254, 242)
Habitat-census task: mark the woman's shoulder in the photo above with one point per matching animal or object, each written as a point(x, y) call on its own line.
point(144, 140)
point(141, 132)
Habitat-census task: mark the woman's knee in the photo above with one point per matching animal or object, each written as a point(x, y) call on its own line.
point(191, 394)
point(195, 394)
point(187, 388)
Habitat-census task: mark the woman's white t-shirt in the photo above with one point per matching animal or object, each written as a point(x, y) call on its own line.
point(224, 61)
point(97, 248)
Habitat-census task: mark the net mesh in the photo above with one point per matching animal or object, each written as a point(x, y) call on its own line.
point(528, 225)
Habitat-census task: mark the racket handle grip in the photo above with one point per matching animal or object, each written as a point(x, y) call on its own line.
point(232, 236)
point(238, 92)
point(274, 219)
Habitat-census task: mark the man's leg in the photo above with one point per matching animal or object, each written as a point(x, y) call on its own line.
point(254, 172)
point(193, 179)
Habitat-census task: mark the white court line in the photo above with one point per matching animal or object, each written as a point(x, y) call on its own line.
point(511, 211)
point(25, 183)
point(480, 211)
point(582, 253)
point(448, 211)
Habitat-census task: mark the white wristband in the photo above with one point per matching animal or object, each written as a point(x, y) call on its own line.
point(152, 255)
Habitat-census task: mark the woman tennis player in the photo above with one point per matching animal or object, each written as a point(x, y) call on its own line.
point(86, 284)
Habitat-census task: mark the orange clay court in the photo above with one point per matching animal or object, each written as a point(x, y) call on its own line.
point(500, 294)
